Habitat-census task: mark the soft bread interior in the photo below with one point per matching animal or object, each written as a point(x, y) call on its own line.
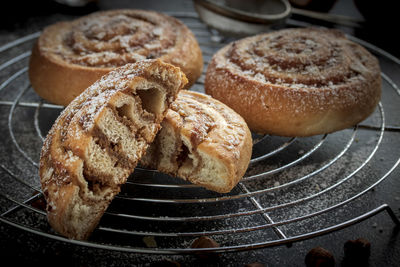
point(201, 168)
point(98, 139)
point(121, 132)
point(113, 148)
point(202, 141)
point(212, 174)
point(174, 154)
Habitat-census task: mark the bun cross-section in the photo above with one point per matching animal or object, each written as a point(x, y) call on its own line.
point(203, 141)
point(98, 139)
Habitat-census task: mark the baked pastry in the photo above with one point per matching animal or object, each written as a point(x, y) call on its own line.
point(69, 56)
point(202, 141)
point(296, 82)
point(98, 139)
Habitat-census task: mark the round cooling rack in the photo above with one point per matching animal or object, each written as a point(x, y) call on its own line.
point(294, 188)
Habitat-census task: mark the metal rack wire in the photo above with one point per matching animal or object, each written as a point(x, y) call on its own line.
point(289, 193)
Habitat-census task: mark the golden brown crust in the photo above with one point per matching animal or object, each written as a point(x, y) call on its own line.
point(70, 56)
point(93, 129)
point(212, 144)
point(296, 82)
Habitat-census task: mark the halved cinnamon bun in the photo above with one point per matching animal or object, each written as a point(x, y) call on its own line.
point(98, 139)
point(203, 141)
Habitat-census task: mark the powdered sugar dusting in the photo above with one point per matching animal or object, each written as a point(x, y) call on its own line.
point(211, 121)
point(76, 150)
point(294, 70)
point(114, 38)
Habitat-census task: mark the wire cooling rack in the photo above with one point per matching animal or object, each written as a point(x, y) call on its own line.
point(294, 189)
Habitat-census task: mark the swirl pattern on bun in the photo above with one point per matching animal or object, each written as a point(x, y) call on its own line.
point(202, 141)
point(70, 56)
point(296, 82)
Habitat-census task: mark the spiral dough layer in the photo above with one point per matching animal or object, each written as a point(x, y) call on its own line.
point(70, 56)
point(96, 142)
point(202, 141)
point(296, 82)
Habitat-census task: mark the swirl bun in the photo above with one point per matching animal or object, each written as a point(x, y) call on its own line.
point(296, 82)
point(98, 139)
point(203, 141)
point(70, 56)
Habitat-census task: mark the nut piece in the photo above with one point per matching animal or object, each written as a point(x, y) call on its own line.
point(356, 251)
point(319, 257)
point(205, 242)
point(150, 241)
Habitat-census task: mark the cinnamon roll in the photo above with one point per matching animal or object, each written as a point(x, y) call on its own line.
point(296, 82)
point(70, 56)
point(203, 141)
point(98, 139)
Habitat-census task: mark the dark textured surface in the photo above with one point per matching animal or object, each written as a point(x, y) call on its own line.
point(19, 246)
